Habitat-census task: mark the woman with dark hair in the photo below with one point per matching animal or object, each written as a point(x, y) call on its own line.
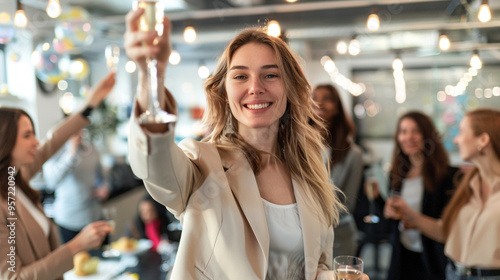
point(152, 223)
point(28, 239)
point(421, 175)
point(470, 225)
point(345, 159)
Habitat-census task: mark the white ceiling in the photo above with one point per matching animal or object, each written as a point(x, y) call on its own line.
point(410, 27)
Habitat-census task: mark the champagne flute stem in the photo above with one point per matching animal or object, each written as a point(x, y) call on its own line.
point(153, 104)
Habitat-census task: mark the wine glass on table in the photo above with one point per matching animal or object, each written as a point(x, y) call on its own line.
point(109, 215)
point(348, 268)
point(152, 20)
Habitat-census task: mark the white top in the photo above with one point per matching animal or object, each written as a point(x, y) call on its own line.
point(412, 191)
point(286, 252)
point(39, 217)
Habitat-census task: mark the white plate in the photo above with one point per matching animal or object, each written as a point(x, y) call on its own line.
point(142, 246)
point(105, 270)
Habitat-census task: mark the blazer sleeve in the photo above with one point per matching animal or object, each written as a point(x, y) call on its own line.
point(54, 142)
point(51, 266)
point(169, 172)
point(353, 173)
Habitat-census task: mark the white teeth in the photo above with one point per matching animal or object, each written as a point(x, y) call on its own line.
point(258, 106)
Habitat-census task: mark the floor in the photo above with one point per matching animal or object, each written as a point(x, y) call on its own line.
point(368, 253)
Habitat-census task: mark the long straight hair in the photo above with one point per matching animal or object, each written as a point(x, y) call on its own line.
point(299, 136)
point(481, 121)
point(435, 159)
point(9, 120)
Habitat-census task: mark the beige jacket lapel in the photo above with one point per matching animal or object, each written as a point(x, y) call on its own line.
point(244, 187)
point(37, 239)
point(312, 230)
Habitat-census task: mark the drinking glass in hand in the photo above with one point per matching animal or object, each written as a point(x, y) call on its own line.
point(152, 20)
point(109, 214)
point(348, 268)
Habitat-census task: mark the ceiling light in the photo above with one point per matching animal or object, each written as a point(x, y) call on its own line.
point(189, 34)
point(484, 14)
point(54, 9)
point(342, 47)
point(130, 66)
point(203, 72)
point(373, 21)
point(20, 19)
point(174, 58)
point(354, 47)
point(329, 66)
point(444, 42)
point(475, 61)
point(273, 28)
point(397, 64)
point(291, 1)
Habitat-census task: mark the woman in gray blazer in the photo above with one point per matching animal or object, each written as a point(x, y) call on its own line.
point(254, 197)
point(29, 242)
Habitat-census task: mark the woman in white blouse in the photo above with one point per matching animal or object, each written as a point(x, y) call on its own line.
point(254, 197)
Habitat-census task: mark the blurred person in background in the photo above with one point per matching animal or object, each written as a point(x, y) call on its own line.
point(420, 174)
point(36, 253)
point(76, 176)
point(345, 159)
point(470, 226)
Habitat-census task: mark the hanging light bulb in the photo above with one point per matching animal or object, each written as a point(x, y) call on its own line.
point(397, 64)
point(354, 47)
point(342, 47)
point(484, 14)
point(274, 28)
point(54, 8)
point(20, 19)
point(189, 34)
point(444, 42)
point(475, 61)
point(373, 21)
point(174, 58)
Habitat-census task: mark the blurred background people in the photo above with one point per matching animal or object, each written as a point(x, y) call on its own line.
point(421, 175)
point(470, 225)
point(36, 253)
point(76, 176)
point(345, 160)
point(152, 222)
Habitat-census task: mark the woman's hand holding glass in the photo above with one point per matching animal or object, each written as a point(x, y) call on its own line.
point(90, 237)
point(147, 43)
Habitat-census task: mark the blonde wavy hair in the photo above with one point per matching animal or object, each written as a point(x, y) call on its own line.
point(299, 137)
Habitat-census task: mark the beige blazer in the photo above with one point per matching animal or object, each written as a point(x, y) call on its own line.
point(214, 193)
point(36, 256)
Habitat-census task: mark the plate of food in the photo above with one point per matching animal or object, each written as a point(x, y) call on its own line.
point(92, 268)
point(131, 246)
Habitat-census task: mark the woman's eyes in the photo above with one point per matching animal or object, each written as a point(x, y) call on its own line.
point(267, 76)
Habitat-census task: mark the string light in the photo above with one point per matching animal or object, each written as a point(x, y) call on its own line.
point(373, 21)
point(20, 19)
point(353, 88)
point(354, 47)
point(444, 42)
point(189, 34)
point(274, 28)
point(399, 80)
point(174, 58)
point(54, 9)
point(484, 14)
point(475, 61)
point(342, 47)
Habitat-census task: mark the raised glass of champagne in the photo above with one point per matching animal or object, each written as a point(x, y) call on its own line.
point(348, 268)
point(152, 20)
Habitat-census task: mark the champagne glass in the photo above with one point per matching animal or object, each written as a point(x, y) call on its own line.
point(112, 54)
point(109, 214)
point(348, 268)
point(152, 19)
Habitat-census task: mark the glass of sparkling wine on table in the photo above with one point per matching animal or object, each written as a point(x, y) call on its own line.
point(152, 20)
point(109, 214)
point(348, 268)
